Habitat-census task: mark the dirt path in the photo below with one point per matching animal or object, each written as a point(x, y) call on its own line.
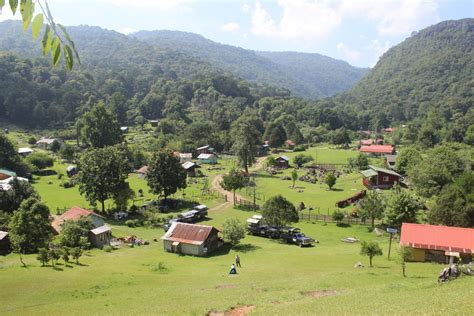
point(216, 185)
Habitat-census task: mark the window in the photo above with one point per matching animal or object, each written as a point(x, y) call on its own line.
point(385, 179)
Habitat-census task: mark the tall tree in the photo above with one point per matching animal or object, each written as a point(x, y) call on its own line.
point(100, 127)
point(245, 136)
point(9, 157)
point(102, 172)
point(275, 134)
point(165, 174)
point(279, 212)
point(407, 158)
point(372, 206)
point(30, 227)
point(330, 180)
point(233, 181)
point(401, 208)
point(20, 190)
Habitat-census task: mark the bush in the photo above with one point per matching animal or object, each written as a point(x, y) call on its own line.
point(234, 231)
point(32, 140)
point(338, 216)
point(299, 148)
point(40, 160)
point(130, 223)
point(107, 248)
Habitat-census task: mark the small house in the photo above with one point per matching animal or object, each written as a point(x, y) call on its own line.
point(379, 178)
point(190, 168)
point(203, 150)
point(282, 162)
point(142, 172)
point(390, 161)
point(377, 150)
point(154, 123)
point(47, 143)
point(4, 243)
point(438, 243)
point(365, 142)
point(124, 129)
point(290, 144)
point(100, 236)
point(24, 151)
point(191, 239)
point(207, 158)
point(71, 171)
point(6, 173)
point(5, 185)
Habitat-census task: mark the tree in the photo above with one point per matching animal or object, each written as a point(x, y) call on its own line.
point(406, 159)
point(75, 233)
point(275, 135)
point(67, 152)
point(294, 176)
point(330, 179)
point(454, 206)
point(361, 162)
point(338, 216)
point(122, 195)
point(370, 249)
point(233, 181)
point(279, 212)
point(40, 160)
point(76, 253)
point(9, 157)
point(20, 190)
point(100, 127)
point(234, 231)
point(245, 136)
point(102, 172)
point(65, 254)
point(165, 174)
point(341, 136)
point(401, 208)
point(270, 162)
point(43, 256)
point(29, 227)
point(54, 255)
point(372, 206)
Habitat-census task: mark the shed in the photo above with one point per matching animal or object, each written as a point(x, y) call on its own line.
point(203, 150)
point(282, 162)
point(142, 171)
point(289, 143)
point(438, 243)
point(190, 167)
point(379, 178)
point(154, 123)
point(390, 161)
point(366, 142)
point(183, 157)
point(207, 158)
point(191, 239)
point(4, 243)
point(71, 170)
point(100, 236)
point(47, 143)
point(124, 129)
point(24, 151)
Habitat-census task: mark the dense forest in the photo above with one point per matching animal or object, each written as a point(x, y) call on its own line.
point(305, 75)
point(424, 83)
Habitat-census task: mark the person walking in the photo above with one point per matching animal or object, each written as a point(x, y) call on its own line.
point(237, 261)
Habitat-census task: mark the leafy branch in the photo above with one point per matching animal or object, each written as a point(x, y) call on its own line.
point(56, 39)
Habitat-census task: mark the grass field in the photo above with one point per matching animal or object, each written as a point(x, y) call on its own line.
point(278, 279)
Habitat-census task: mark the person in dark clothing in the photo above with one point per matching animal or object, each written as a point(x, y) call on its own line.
point(237, 261)
point(233, 270)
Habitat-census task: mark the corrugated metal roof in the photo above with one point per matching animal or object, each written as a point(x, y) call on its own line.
point(437, 237)
point(378, 149)
point(8, 172)
point(284, 158)
point(74, 214)
point(188, 233)
point(203, 147)
point(188, 164)
point(205, 156)
point(368, 173)
point(101, 229)
point(24, 150)
point(3, 235)
point(380, 169)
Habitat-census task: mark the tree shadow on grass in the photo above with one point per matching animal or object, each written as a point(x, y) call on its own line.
point(343, 225)
point(244, 248)
point(81, 264)
point(245, 208)
point(56, 268)
point(337, 189)
point(221, 251)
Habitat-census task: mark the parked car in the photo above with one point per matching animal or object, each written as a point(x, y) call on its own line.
point(293, 235)
point(170, 222)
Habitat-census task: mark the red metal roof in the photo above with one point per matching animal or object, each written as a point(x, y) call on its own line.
point(379, 149)
point(367, 142)
point(73, 214)
point(188, 233)
point(434, 237)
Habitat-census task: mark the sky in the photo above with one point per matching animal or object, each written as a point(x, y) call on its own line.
point(357, 31)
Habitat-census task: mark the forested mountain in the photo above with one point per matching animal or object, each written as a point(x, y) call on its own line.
point(306, 75)
point(432, 70)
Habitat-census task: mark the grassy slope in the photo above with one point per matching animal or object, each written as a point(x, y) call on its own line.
point(272, 278)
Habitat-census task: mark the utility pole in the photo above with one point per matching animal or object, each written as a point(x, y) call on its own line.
point(391, 231)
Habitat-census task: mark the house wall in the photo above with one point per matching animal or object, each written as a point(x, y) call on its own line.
point(282, 163)
point(186, 249)
point(390, 181)
point(101, 240)
point(4, 246)
point(417, 254)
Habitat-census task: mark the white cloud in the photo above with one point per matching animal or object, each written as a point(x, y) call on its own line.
point(128, 30)
point(158, 4)
point(378, 48)
point(349, 54)
point(230, 27)
point(311, 20)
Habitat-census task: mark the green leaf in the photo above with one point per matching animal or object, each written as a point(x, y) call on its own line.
point(46, 41)
point(36, 25)
point(68, 55)
point(26, 10)
point(70, 41)
point(56, 53)
point(13, 6)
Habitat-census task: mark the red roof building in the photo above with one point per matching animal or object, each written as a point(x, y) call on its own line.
point(191, 239)
point(366, 142)
point(437, 243)
point(378, 149)
point(74, 214)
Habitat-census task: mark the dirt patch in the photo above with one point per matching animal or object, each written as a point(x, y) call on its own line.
point(318, 294)
point(225, 286)
point(234, 311)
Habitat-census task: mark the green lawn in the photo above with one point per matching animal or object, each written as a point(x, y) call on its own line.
point(274, 278)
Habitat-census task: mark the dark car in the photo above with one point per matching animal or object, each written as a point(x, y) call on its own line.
point(170, 222)
point(293, 235)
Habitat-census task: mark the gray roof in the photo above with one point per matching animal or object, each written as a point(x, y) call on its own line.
point(284, 158)
point(368, 173)
point(188, 164)
point(384, 170)
point(391, 158)
point(3, 235)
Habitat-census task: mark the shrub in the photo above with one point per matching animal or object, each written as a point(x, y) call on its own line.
point(130, 223)
point(40, 160)
point(32, 140)
point(338, 216)
point(299, 148)
point(234, 231)
point(107, 248)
